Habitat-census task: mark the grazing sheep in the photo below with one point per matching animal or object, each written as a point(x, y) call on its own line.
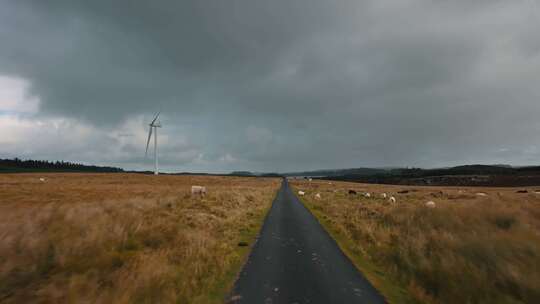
point(198, 190)
point(352, 191)
point(301, 193)
point(42, 179)
point(367, 195)
point(383, 195)
point(392, 199)
point(310, 179)
point(481, 194)
point(318, 196)
point(430, 204)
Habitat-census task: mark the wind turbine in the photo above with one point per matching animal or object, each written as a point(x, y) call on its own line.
point(154, 126)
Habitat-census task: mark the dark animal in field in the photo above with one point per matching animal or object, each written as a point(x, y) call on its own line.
point(437, 194)
point(352, 192)
point(522, 191)
point(403, 191)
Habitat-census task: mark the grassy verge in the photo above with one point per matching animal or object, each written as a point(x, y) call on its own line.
point(220, 291)
point(125, 238)
point(474, 245)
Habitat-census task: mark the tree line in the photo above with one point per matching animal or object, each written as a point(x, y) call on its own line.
point(17, 164)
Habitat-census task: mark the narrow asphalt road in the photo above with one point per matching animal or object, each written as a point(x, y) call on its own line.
point(296, 261)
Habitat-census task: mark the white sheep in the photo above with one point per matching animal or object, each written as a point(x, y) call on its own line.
point(367, 195)
point(430, 204)
point(481, 194)
point(318, 196)
point(198, 190)
point(392, 199)
point(301, 193)
point(42, 179)
point(383, 195)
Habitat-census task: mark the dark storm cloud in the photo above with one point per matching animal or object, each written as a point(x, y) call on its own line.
point(287, 85)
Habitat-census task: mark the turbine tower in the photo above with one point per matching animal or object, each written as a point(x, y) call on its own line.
point(153, 127)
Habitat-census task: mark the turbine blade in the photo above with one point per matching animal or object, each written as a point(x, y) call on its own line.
point(155, 118)
point(148, 141)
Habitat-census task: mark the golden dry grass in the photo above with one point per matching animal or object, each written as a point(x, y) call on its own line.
point(468, 249)
point(125, 238)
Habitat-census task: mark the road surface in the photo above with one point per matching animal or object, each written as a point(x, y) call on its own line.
point(296, 261)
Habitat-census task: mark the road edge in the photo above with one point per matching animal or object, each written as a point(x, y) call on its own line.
point(253, 239)
point(391, 291)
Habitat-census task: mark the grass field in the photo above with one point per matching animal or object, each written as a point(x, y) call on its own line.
point(125, 238)
point(477, 245)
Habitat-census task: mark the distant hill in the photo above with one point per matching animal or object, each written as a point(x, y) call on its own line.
point(19, 165)
point(340, 172)
point(467, 175)
point(242, 173)
point(271, 175)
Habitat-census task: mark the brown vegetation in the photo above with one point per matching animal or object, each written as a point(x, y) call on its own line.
point(125, 238)
point(469, 248)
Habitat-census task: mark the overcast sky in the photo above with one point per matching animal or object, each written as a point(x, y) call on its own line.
point(279, 85)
